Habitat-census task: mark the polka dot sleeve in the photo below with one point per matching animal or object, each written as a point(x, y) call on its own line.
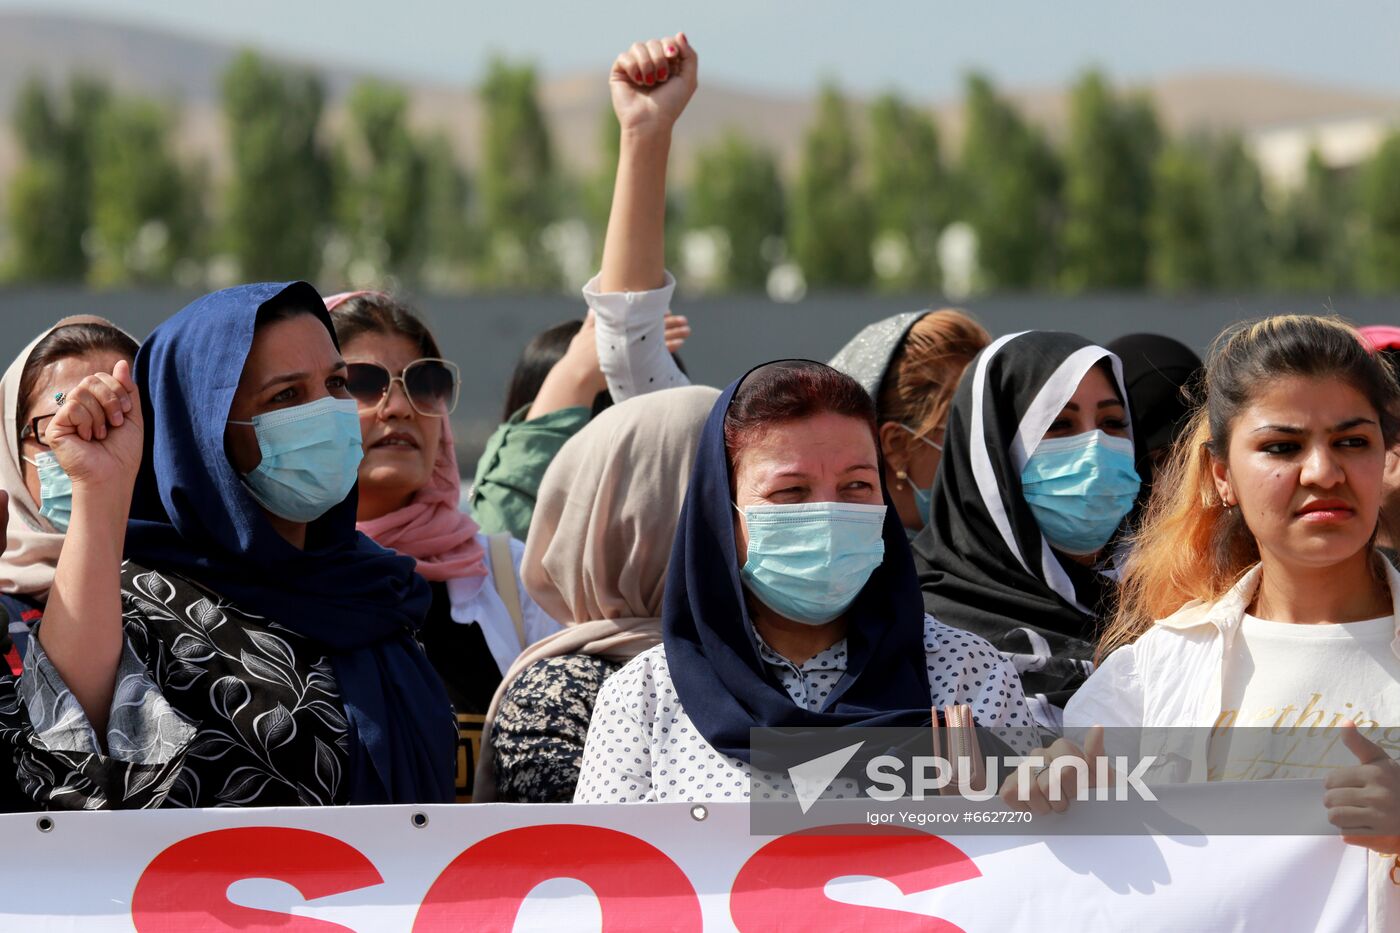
point(964, 668)
point(616, 765)
point(631, 335)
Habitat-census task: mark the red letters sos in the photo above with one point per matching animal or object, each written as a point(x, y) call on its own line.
point(780, 887)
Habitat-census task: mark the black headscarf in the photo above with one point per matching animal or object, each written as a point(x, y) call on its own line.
point(191, 514)
point(1156, 370)
point(711, 648)
point(983, 563)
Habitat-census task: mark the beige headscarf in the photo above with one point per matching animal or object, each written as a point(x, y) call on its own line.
point(32, 543)
point(600, 538)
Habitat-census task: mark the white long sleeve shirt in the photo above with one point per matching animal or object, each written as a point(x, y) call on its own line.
point(631, 334)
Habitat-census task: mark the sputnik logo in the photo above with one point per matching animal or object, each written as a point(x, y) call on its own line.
point(811, 778)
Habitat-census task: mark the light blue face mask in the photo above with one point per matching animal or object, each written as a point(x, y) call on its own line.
point(923, 498)
point(310, 457)
point(55, 490)
point(1079, 488)
point(808, 561)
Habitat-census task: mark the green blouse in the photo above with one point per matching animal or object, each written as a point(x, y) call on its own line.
point(509, 472)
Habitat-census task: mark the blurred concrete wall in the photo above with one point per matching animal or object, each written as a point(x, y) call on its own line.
point(485, 334)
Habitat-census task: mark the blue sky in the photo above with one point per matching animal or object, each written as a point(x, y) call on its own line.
point(921, 48)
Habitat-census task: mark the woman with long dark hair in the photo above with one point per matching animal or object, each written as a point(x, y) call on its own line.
point(1255, 596)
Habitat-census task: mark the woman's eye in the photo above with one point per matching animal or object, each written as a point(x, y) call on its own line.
point(286, 395)
point(859, 486)
point(1281, 448)
point(1059, 424)
point(335, 383)
point(1358, 441)
point(1114, 424)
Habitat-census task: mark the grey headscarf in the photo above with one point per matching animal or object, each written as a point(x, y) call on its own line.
point(867, 357)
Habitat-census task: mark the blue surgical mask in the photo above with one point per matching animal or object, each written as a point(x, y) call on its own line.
point(55, 490)
point(809, 560)
point(923, 498)
point(310, 458)
point(1079, 489)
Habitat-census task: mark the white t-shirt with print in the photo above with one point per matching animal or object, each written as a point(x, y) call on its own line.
point(1287, 687)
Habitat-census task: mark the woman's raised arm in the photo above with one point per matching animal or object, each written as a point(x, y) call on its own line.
point(97, 438)
point(651, 83)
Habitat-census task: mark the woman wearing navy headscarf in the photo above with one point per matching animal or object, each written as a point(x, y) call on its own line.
point(790, 601)
point(252, 648)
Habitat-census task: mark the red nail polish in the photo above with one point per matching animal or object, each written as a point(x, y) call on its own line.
point(651, 79)
point(670, 50)
point(663, 75)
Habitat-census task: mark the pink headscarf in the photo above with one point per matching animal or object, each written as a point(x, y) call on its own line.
point(431, 529)
point(1381, 336)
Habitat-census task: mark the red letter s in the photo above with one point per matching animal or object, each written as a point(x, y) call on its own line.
point(638, 886)
point(185, 888)
point(782, 886)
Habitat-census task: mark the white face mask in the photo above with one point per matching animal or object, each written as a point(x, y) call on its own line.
point(55, 489)
point(310, 457)
point(808, 561)
point(923, 498)
point(920, 438)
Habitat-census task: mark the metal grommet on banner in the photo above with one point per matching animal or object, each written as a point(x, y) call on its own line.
point(45, 824)
point(699, 813)
point(419, 819)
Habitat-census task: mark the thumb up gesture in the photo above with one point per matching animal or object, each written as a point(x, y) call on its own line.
point(1363, 800)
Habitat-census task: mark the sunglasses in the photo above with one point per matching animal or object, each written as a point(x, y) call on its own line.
point(35, 429)
point(431, 385)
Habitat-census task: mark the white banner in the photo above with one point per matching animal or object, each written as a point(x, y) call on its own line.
point(645, 868)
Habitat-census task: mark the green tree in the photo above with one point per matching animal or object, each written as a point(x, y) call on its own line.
point(1108, 188)
point(42, 229)
point(146, 210)
point(598, 190)
point(450, 243)
point(1179, 224)
point(386, 191)
point(1210, 226)
point(1009, 182)
point(830, 220)
point(516, 183)
point(41, 130)
point(280, 196)
point(909, 191)
point(736, 188)
point(51, 193)
point(1241, 226)
point(1380, 199)
point(1313, 250)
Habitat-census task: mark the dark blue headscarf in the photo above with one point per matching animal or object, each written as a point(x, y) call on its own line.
point(361, 603)
point(711, 648)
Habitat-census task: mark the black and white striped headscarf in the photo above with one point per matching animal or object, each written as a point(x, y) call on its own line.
point(983, 563)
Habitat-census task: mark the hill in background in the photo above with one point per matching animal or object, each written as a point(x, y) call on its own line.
point(186, 71)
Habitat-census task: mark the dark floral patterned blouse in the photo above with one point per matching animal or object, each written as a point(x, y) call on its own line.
point(541, 727)
point(213, 707)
